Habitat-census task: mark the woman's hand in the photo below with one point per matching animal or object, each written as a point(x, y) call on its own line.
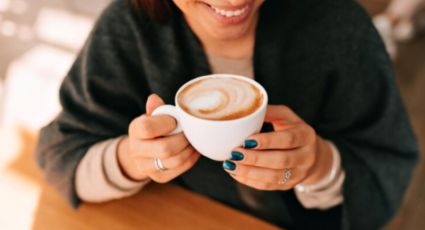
point(293, 146)
point(145, 142)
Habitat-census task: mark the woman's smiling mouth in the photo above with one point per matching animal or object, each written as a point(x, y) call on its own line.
point(229, 15)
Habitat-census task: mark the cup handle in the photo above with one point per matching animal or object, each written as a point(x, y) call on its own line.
point(170, 111)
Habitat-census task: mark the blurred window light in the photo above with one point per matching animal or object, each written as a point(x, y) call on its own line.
point(19, 195)
point(8, 28)
point(1, 104)
point(32, 86)
point(4, 5)
point(93, 7)
point(18, 6)
point(25, 33)
point(63, 28)
point(12, 145)
point(19, 198)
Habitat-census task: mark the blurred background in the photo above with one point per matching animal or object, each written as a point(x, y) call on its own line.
point(39, 40)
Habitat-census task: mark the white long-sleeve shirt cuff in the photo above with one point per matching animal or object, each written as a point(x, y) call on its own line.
point(99, 177)
point(327, 193)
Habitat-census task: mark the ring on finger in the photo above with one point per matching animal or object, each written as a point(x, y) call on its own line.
point(286, 177)
point(159, 165)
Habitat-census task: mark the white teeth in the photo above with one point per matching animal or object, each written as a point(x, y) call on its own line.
point(229, 13)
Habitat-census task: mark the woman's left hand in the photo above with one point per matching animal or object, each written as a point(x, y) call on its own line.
point(264, 161)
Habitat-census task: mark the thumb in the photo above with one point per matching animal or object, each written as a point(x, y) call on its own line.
point(153, 102)
point(280, 112)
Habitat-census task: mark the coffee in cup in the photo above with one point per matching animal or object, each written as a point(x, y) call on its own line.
point(217, 112)
point(220, 98)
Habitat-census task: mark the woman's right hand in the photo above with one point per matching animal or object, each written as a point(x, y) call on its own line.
point(146, 141)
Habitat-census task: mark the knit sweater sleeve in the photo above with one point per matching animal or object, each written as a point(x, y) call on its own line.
point(365, 118)
point(100, 96)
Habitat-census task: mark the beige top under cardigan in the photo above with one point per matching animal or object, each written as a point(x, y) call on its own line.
point(99, 178)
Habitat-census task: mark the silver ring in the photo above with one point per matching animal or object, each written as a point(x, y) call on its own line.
point(159, 165)
point(286, 176)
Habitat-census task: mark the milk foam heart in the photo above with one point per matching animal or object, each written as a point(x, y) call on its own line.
point(220, 98)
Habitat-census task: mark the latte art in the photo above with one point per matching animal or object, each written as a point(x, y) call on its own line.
point(220, 98)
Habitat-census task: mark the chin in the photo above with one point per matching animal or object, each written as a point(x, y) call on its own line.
point(227, 34)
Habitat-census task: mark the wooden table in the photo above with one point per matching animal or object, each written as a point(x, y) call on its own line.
point(155, 207)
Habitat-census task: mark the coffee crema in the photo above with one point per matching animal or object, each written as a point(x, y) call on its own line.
point(220, 98)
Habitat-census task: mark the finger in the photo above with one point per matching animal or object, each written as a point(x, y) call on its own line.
point(168, 175)
point(148, 164)
point(161, 148)
point(280, 112)
point(149, 127)
point(264, 175)
point(263, 186)
point(179, 159)
point(153, 102)
point(259, 185)
point(187, 164)
point(294, 137)
point(273, 159)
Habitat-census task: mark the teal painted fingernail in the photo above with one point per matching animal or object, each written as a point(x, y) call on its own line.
point(229, 165)
point(249, 144)
point(236, 156)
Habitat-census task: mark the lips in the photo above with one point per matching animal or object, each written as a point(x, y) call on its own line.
point(228, 15)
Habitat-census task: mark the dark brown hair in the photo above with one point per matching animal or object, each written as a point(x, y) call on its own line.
point(159, 10)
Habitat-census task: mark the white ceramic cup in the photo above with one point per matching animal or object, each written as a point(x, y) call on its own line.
point(216, 139)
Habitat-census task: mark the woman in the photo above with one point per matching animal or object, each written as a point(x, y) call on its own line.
point(339, 151)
